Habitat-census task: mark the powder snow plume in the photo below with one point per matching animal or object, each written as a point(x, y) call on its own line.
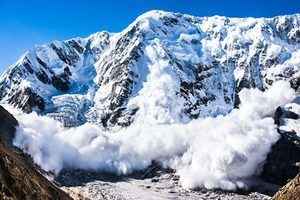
point(220, 152)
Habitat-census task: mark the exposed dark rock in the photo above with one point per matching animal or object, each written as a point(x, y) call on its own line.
point(27, 100)
point(41, 62)
point(170, 21)
point(7, 126)
point(278, 115)
point(244, 83)
point(61, 82)
point(27, 65)
point(282, 113)
point(76, 46)
point(283, 161)
point(295, 36)
point(69, 59)
point(19, 178)
point(42, 76)
point(295, 83)
point(67, 71)
point(290, 115)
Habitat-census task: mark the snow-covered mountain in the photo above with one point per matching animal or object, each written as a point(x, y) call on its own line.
point(163, 68)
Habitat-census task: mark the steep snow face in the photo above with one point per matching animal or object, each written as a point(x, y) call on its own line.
point(172, 68)
point(166, 67)
point(42, 77)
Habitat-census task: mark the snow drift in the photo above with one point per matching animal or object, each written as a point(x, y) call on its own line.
point(220, 152)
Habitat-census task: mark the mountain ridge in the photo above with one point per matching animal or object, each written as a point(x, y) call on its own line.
point(210, 59)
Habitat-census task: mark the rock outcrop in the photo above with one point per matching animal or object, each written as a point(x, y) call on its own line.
point(283, 161)
point(290, 191)
point(19, 178)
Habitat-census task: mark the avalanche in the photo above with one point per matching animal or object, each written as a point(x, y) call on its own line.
point(220, 152)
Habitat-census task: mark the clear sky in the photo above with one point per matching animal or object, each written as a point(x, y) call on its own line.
point(24, 23)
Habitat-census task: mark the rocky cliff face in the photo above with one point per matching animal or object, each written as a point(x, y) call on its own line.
point(161, 61)
point(283, 162)
point(19, 178)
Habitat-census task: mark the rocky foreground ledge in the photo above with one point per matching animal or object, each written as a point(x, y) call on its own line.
point(289, 192)
point(19, 178)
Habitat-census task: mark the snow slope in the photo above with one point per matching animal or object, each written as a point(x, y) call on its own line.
point(170, 66)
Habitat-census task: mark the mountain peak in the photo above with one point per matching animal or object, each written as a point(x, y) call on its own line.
point(202, 63)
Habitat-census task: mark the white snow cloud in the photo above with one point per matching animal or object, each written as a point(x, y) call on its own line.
point(216, 152)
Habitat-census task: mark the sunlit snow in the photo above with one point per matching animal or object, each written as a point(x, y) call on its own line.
point(219, 152)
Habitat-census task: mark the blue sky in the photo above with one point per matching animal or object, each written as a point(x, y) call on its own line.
point(26, 23)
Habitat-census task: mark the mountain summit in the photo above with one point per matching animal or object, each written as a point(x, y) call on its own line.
point(167, 67)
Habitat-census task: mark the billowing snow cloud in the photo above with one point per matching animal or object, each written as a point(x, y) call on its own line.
point(219, 152)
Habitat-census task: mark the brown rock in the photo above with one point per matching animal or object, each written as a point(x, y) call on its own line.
point(19, 178)
point(290, 191)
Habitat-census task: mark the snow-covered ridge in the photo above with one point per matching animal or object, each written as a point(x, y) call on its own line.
point(167, 67)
